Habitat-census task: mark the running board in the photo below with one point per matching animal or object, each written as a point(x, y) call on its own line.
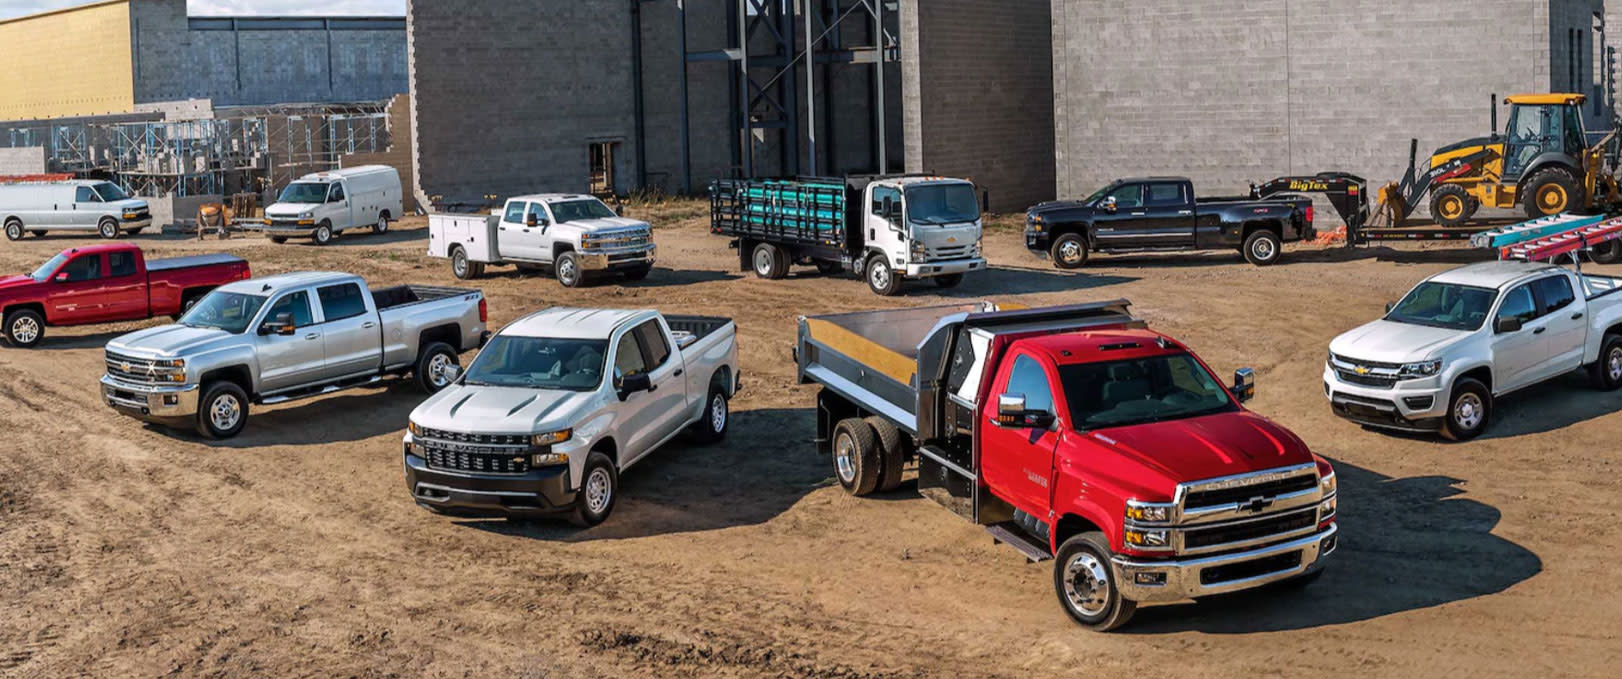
point(319, 391)
point(1011, 535)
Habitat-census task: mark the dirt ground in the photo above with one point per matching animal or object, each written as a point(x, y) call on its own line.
point(294, 550)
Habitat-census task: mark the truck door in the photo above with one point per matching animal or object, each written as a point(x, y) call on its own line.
point(518, 240)
point(1122, 229)
point(1517, 355)
point(86, 209)
point(669, 374)
point(287, 361)
point(352, 342)
point(338, 207)
point(77, 294)
point(1016, 462)
point(1567, 323)
point(127, 291)
point(642, 415)
point(882, 233)
point(1170, 219)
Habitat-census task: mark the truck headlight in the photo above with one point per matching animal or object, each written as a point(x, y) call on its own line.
point(979, 247)
point(1421, 369)
point(1146, 512)
point(919, 252)
point(551, 438)
point(415, 429)
point(1148, 539)
point(174, 363)
point(548, 459)
point(1327, 484)
point(1326, 509)
point(307, 215)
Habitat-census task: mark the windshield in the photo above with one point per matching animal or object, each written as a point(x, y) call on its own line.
point(576, 210)
point(539, 363)
point(1444, 305)
point(1140, 390)
point(228, 311)
point(110, 192)
point(1099, 194)
point(304, 192)
point(942, 204)
point(43, 273)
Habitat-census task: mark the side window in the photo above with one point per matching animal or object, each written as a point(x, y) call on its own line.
point(1518, 304)
point(515, 212)
point(653, 341)
point(879, 194)
point(121, 264)
point(86, 268)
point(84, 195)
point(1028, 379)
point(1130, 195)
point(337, 193)
point(539, 211)
point(1555, 292)
point(628, 359)
point(1166, 194)
point(339, 302)
point(296, 303)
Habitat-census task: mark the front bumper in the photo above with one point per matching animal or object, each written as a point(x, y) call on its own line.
point(1039, 241)
point(152, 404)
point(619, 258)
point(539, 491)
point(945, 268)
point(288, 228)
point(1208, 576)
point(137, 223)
point(1411, 405)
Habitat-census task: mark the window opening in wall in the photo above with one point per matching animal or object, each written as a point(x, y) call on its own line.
point(602, 168)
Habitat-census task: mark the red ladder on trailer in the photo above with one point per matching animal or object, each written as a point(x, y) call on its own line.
point(1550, 247)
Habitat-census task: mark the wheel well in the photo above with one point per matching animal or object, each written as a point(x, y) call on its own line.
point(236, 373)
point(384, 214)
point(1613, 330)
point(1253, 226)
point(13, 220)
point(607, 447)
point(190, 293)
point(1482, 374)
point(559, 248)
point(1071, 525)
point(30, 306)
point(450, 334)
point(1533, 171)
point(723, 378)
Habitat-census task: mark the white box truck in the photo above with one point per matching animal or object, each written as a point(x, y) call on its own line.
point(322, 205)
point(74, 205)
point(577, 236)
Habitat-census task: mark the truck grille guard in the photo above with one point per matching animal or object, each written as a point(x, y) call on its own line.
point(1238, 512)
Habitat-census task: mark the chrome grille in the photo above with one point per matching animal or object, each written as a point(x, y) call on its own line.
point(1199, 499)
point(1251, 530)
point(142, 371)
point(617, 240)
point(953, 252)
point(1246, 510)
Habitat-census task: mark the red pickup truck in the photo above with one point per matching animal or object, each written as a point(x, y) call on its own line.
point(1075, 434)
point(107, 284)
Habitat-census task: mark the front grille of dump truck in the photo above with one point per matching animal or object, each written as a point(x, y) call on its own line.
point(1233, 532)
point(946, 253)
point(1217, 496)
point(1248, 511)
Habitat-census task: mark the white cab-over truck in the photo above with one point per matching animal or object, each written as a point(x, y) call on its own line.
point(576, 235)
point(322, 205)
point(563, 401)
point(276, 339)
point(1460, 339)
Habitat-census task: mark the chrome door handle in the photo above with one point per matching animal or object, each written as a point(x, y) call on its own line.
point(368, 325)
point(313, 336)
point(1139, 214)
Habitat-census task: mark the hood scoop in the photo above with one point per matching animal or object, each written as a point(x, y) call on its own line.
point(519, 407)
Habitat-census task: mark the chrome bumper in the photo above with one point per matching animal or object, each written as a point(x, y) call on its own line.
point(1182, 580)
point(288, 229)
point(614, 258)
point(945, 268)
point(150, 403)
point(140, 223)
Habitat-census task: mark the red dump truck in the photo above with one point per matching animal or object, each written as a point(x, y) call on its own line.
point(1076, 434)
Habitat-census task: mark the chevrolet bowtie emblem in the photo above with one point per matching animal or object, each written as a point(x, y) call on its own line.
point(127, 367)
point(1362, 370)
point(1255, 505)
point(952, 239)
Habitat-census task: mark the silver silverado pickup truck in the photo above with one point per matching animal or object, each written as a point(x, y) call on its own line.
point(561, 403)
point(272, 340)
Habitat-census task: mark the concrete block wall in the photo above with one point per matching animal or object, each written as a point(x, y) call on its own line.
point(978, 86)
point(399, 153)
point(23, 160)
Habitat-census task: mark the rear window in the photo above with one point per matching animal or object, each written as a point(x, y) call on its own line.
point(121, 264)
point(342, 301)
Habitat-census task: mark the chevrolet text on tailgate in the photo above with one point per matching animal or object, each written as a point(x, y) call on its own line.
point(1074, 433)
point(276, 339)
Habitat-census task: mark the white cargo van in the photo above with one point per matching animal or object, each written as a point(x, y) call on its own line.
point(74, 205)
point(322, 205)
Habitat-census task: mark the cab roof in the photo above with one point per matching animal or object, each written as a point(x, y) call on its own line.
point(575, 323)
point(1537, 99)
point(1096, 346)
point(269, 284)
point(550, 198)
point(105, 247)
point(1496, 274)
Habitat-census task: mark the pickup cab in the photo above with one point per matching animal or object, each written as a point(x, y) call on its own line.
point(1149, 214)
point(276, 339)
point(1074, 434)
point(1442, 356)
point(564, 401)
point(577, 236)
point(107, 284)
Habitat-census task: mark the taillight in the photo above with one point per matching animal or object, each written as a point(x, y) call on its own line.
point(1309, 214)
point(246, 273)
point(484, 311)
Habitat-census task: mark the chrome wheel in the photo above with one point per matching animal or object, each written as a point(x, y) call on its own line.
point(1264, 249)
point(879, 275)
point(109, 230)
point(599, 490)
point(1070, 252)
point(763, 262)
point(718, 414)
point(1613, 364)
point(1086, 584)
point(459, 264)
point(844, 450)
point(25, 330)
point(382, 224)
point(439, 370)
point(225, 412)
point(14, 231)
point(1468, 411)
point(568, 271)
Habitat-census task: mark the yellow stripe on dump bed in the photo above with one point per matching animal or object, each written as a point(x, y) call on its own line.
point(862, 350)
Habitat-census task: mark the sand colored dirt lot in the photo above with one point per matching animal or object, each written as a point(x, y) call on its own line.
point(294, 550)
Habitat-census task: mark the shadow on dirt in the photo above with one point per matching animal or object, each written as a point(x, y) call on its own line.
point(1406, 544)
point(343, 417)
point(1458, 252)
point(660, 277)
point(54, 342)
point(1556, 404)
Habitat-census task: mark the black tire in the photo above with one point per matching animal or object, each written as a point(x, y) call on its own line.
point(14, 229)
point(1609, 252)
point(1450, 205)
point(892, 452)
point(464, 268)
point(1469, 410)
point(1069, 251)
point(588, 509)
point(25, 328)
point(827, 268)
point(432, 362)
point(107, 229)
point(227, 398)
point(1606, 372)
point(278, 239)
point(186, 303)
point(382, 225)
point(1262, 247)
point(769, 262)
point(1082, 566)
point(948, 281)
point(712, 426)
point(856, 456)
point(1550, 192)
point(881, 278)
point(638, 273)
point(135, 232)
point(323, 233)
point(567, 270)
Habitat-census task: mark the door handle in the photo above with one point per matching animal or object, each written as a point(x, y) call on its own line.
point(1577, 316)
point(1539, 331)
point(1139, 214)
point(679, 371)
point(313, 336)
point(368, 325)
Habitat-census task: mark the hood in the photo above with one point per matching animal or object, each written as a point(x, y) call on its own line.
point(606, 224)
point(500, 410)
point(290, 209)
point(131, 204)
point(1387, 342)
point(1206, 447)
point(14, 282)
point(169, 341)
point(1058, 207)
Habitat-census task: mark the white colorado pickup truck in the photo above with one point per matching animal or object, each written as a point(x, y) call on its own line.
point(1462, 338)
point(575, 235)
point(560, 403)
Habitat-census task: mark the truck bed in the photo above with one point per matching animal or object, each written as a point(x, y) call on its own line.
point(695, 327)
point(406, 295)
point(811, 211)
point(175, 263)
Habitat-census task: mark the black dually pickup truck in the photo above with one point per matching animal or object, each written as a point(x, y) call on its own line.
point(1147, 214)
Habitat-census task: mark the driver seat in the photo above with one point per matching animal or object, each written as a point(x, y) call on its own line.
point(1127, 382)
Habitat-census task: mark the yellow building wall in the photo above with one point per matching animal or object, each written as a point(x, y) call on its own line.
point(67, 63)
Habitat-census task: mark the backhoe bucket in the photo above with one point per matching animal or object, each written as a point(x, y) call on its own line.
point(1390, 207)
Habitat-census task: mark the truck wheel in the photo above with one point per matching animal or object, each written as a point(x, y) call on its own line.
point(1450, 205)
point(567, 269)
point(464, 268)
point(223, 411)
point(638, 273)
point(1467, 411)
point(433, 367)
point(186, 303)
point(948, 281)
point(856, 456)
point(278, 239)
point(382, 225)
point(108, 229)
point(892, 456)
point(770, 262)
point(1551, 192)
point(1262, 247)
point(14, 230)
point(712, 425)
point(1607, 371)
point(1069, 251)
point(323, 233)
point(599, 488)
point(1085, 583)
point(881, 279)
point(25, 328)
point(1607, 253)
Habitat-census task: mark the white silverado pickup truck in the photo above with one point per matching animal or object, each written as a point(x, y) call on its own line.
point(1462, 338)
point(276, 339)
point(575, 235)
point(560, 403)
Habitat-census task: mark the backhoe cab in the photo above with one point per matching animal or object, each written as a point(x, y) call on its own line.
point(1542, 162)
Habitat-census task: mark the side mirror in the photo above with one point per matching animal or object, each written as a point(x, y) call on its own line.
point(633, 384)
point(1109, 205)
point(1012, 413)
point(1507, 324)
point(1244, 384)
point(532, 220)
point(453, 372)
point(282, 325)
point(887, 209)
